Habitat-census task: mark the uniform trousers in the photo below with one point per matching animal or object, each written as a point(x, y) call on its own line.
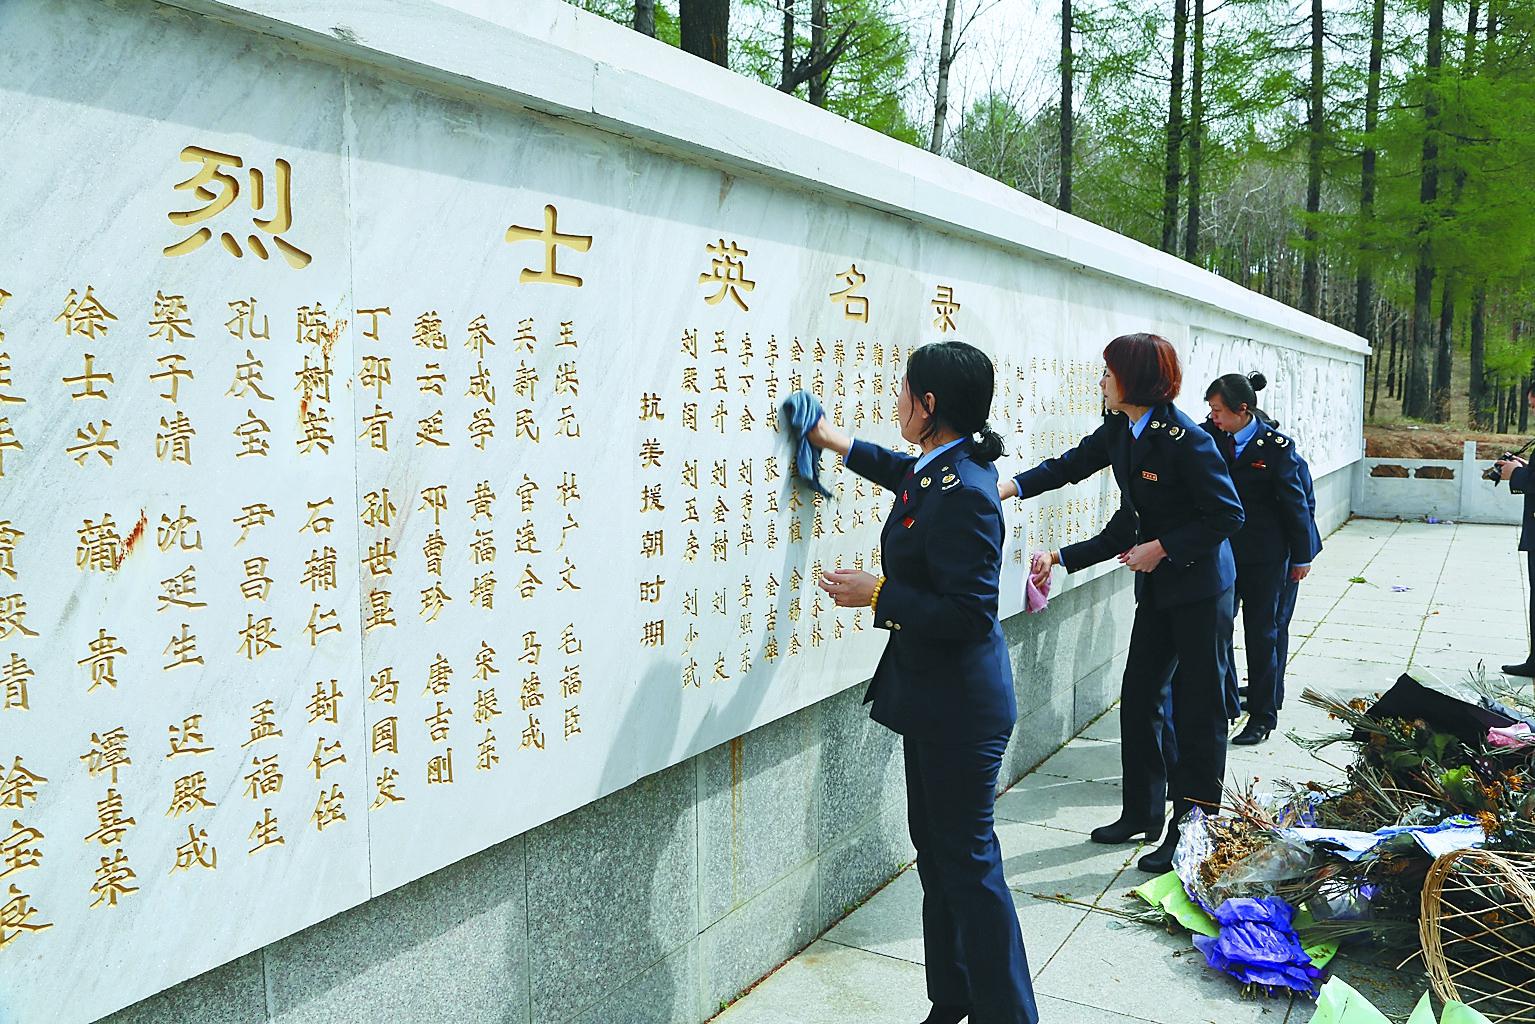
point(1259, 588)
point(975, 955)
point(1530, 564)
point(1282, 618)
point(1191, 637)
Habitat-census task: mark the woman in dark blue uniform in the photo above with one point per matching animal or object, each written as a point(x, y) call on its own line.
point(945, 682)
point(1177, 509)
point(1274, 543)
point(1291, 591)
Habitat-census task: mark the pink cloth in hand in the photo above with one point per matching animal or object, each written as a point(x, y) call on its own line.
point(1035, 598)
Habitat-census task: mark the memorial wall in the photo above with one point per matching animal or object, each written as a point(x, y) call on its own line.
point(388, 467)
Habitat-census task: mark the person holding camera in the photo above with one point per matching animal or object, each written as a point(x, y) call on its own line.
point(1516, 470)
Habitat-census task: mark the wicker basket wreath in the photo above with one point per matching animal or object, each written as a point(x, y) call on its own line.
point(1478, 932)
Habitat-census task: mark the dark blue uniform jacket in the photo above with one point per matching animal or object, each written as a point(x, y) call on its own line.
point(1305, 481)
point(945, 675)
point(1522, 481)
point(1279, 525)
point(1173, 487)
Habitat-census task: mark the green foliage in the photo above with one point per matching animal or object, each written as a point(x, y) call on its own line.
point(868, 84)
point(668, 27)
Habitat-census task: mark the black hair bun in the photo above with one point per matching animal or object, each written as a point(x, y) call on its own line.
point(1257, 380)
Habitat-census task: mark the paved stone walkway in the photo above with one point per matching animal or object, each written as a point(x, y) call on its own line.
point(1354, 632)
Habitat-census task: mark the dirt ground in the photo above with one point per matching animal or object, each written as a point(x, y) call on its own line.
point(1414, 441)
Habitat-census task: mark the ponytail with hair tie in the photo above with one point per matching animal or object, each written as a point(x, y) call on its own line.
point(989, 448)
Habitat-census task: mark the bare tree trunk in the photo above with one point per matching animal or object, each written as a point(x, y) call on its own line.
point(1478, 396)
point(1196, 133)
point(1445, 351)
point(1418, 402)
point(1310, 287)
point(786, 72)
point(1364, 280)
point(1391, 365)
point(1516, 400)
point(1063, 200)
point(706, 29)
point(818, 51)
point(945, 58)
point(645, 17)
point(1172, 178)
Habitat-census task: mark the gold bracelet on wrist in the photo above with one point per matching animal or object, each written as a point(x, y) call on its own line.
point(874, 597)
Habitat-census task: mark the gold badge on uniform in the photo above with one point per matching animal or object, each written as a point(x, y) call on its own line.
point(926, 480)
point(949, 478)
point(1147, 474)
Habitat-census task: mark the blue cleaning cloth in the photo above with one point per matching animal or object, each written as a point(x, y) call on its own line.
point(801, 412)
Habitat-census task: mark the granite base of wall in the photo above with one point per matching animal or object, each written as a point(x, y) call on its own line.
point(664, 901)
point(1334, 498)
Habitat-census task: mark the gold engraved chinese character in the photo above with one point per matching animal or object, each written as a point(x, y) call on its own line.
point(19, 851)
point(243, 323)
point(329, 809)
point(196, 851)
point(265, 779)
point(378, 510)
point(14, 678)
point(174, 440)
point(551, 237)
point(179, 590)
point(9, 535)
point(5, 378)
point(187, 738)
point(854, 307)
point(189, 793)
point(213, 172)
point(385, 785)
point(170, 320)
point(258, 637)
point(386, 688)
point(263, 727)
point(108, 753)
point(87, 379)
point(111, 826)
point(16, 917)
point(84, 314)
point(944, 308)
point(102, 660)
point(371, 331)
point(376, 373)
point(13, 617)
point(265, 833)
point(326, 755)
point(19, 785)
point(386, 738)
point(533, 735)
point(728, 271)
point(439, 770)
point(171, 371)
point(92, 439)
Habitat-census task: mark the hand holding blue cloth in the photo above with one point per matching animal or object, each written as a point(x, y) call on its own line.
point(801, 412)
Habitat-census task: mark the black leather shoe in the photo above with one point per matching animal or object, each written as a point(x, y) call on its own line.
point(1252, 734)
point(1524, 668)
point(942, 1014)
point(1160, 860)
point(1125, 831)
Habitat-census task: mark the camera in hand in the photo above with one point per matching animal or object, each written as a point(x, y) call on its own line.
point(1493, 473)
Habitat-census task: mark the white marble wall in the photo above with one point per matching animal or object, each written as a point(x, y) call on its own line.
point(457, 722)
